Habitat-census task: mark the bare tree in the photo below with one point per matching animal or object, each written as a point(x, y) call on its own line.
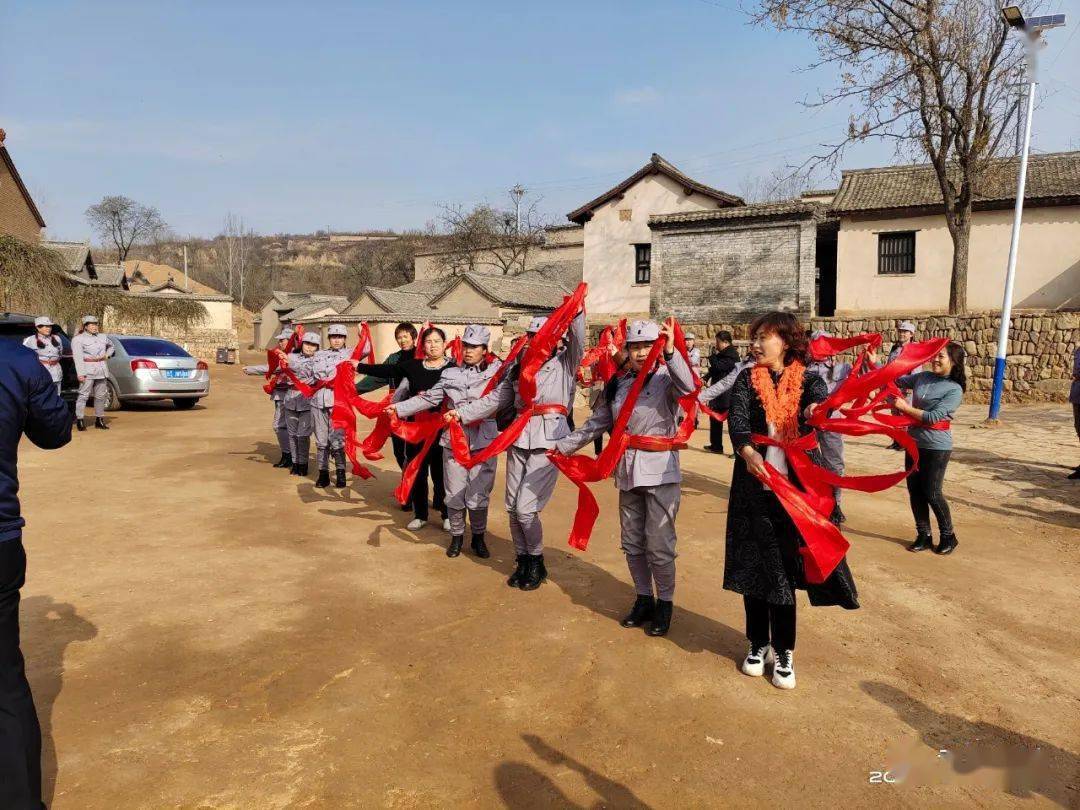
point(486, 239)
point(932, 76)
point(125, 222)
point(779, 184)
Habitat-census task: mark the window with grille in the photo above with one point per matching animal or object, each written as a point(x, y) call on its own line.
point(896, 253)
point(642, 264)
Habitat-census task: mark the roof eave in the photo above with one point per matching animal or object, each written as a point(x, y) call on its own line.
point(22, 186)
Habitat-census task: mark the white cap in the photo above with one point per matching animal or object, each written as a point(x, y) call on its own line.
point(337, 330)
point(311, 337)
point(690, 336)
point(284, 334)
point(43, 320)
point(643, 332)
point(89, 319)
point(907, 326)
point(476, 335)
point(537, 322)
point(819, 333)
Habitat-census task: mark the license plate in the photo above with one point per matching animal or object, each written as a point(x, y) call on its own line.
point(176, 373)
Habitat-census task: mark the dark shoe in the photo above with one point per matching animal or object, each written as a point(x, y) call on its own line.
point(519, 572)
point(339, 479)
point(323, 480)
point(406, 507)
point(1074, 475)
point(947, 545)
point(454, 549)
point(99, 423)
point(923, 542)
point(661, 618)
point(295, 468)
point(303, 471)
point(479, 547)
point(535, 573)
point(837, 516)
point(895, 446)
point(641, 612)
point(80, 424)
point(286, 460)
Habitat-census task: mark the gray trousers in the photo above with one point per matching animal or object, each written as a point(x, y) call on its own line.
point(100, 391)
point(467, 489)
point(530, 481)
point(647, 517)
point(280, 429)
point(299, 426)
point(327, 439)
point(832, 454)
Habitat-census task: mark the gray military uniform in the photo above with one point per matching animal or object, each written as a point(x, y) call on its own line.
point(327, 439)
point(649, 481)
point(831, 444)
point(85, 346)
point(719, 387)
point(282, 384)
point(530, 475)
point(465, 488)
point(297, 408)
point(49, 355)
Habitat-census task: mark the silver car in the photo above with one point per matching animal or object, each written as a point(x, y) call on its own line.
point(148, 368)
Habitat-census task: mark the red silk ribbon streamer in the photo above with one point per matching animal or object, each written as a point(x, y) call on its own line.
point(273, 361)
point(537, 351)
point(424, 428)
point(583, 470)
point(500, 372)
point(809, 506)
point(599, 356)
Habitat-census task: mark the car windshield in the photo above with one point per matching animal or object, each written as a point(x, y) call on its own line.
point(20, 331)
point(151, 347)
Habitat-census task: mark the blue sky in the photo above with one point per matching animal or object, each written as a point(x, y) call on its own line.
point(300, 116)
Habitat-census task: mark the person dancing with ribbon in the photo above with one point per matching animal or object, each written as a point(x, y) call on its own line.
point(279, 386)
point(467, 489)
point(530, 475)
point(412, 376)
point(297, 406)
point(328, 439)
point(648, 479)
point(763, 562)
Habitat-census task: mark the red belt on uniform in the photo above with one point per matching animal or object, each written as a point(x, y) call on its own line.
point(49, 362)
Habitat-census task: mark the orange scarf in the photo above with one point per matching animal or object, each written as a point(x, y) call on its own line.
point(781, 401)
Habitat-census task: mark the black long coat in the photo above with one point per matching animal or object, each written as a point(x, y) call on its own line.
point(762, 556)
point(721, 364)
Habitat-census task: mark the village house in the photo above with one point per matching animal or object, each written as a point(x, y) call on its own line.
point(286, 308)
point(79, 262)
point(19, 216)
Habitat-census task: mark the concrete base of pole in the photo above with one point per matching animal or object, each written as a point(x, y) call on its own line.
point(989, 424)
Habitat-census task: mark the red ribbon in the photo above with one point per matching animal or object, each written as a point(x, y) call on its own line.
point(537, 352)
point(582, 470)
point(810, 506)
point(273, 360)
point(600, 355)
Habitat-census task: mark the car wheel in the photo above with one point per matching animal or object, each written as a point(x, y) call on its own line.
point(184, 404)
point(114, 403)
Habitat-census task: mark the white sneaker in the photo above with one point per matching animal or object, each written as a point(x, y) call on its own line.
point(446, 524)
point(783, 676)
point(415, 524)
point(754, 663)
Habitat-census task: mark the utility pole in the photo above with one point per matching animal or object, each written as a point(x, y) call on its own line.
point(517, 192)
point(187, 282)
point(1032, 31)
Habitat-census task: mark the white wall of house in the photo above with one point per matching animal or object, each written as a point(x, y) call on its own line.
point(1047, 271)
point(616, 226)
point(464, 300)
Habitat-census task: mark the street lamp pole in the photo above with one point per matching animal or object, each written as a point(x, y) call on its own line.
point(517, 192)
point(1032, 29)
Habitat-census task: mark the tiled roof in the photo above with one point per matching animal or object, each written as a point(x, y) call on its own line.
point(429, 286)
point(784, 208)
point(73, 253)
point(656, 165)
point(563, 226)
point(317, 304)
point(818, 192)
point(411, 317)
point(1051, 177)
point(530, 292)
point(110, 275)
point(398, 300)
point(566, 273)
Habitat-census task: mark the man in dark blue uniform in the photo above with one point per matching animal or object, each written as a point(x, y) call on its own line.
point(29, 404)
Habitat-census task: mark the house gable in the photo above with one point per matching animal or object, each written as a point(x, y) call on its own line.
point(19, 216)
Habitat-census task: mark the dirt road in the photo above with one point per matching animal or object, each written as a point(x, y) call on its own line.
point(202, 630)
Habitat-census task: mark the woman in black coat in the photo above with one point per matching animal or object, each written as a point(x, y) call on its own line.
point(762, 559)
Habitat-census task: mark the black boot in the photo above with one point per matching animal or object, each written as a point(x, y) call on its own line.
point(286, 460)
point(535, 572)
point(454, 549)
point(479, 547)
point(99, 423)
point(339, 478)
point(80, 424)
point(295, 468)
point(923, 542)
point(641, 612)
point(303, 471)
point(947, 545)
point(519, 572)
point(837, 515)
point(661, 618)
point(323, 480)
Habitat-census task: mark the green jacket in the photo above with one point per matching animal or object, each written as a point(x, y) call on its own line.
point(368, 383)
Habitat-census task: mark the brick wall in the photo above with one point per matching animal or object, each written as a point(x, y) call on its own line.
point(16, 218)
point(731, 271)
point(1039, 355)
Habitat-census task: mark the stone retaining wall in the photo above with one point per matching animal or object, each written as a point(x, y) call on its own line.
point(1039, 355)
point(198, 342)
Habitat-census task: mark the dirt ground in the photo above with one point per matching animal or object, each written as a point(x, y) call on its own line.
point(202, 630)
